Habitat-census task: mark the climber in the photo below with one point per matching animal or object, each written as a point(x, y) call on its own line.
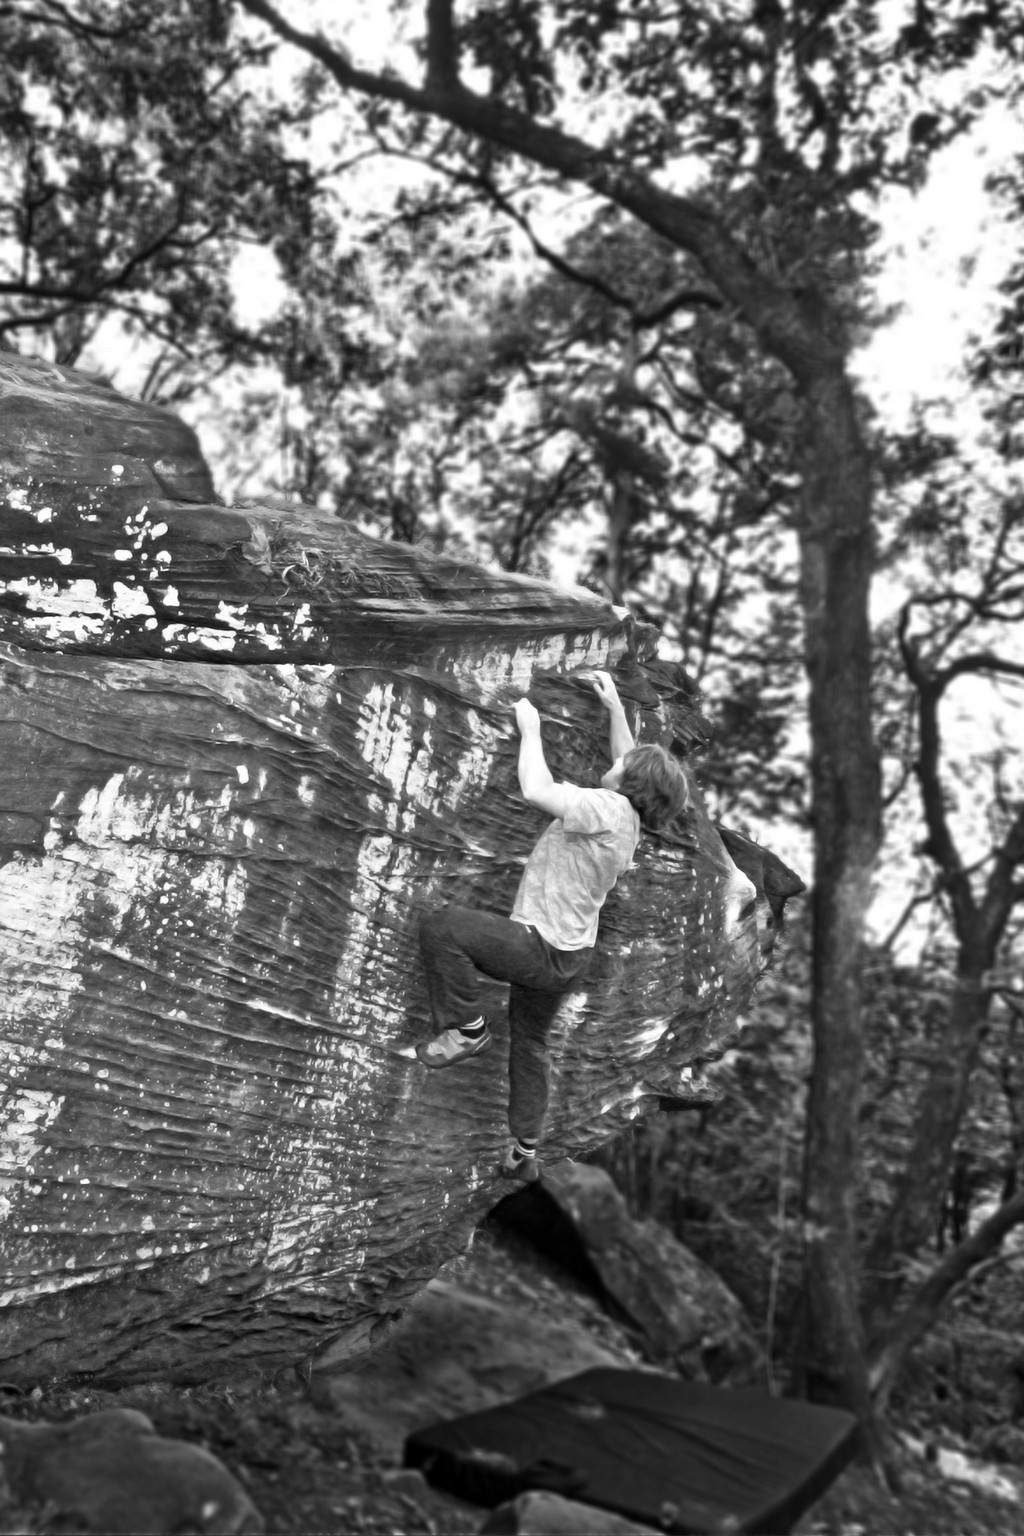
point(545, 946)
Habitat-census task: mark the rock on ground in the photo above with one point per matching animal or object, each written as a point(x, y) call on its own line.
point(110, 1473)
point(548, 1514)
point(684, 1315)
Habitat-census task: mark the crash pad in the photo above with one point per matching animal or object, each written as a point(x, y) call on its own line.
point(672, 1454)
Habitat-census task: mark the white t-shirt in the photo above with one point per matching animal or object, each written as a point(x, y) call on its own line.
point(575, 864)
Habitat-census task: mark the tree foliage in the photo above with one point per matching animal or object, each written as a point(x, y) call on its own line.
point(131, 133)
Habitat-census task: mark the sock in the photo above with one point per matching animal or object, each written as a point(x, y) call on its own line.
point(474, 1029)
point(522, 1149)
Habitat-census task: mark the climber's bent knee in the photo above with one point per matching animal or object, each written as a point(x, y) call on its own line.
point(438, 924)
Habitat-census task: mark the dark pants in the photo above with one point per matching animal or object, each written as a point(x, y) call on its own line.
point(457, 943)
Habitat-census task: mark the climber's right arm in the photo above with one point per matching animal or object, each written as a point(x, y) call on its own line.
point(535, 780)
point(620, 737)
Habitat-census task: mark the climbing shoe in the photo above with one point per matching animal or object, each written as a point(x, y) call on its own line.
point(525, 1168)
point(452, 1046)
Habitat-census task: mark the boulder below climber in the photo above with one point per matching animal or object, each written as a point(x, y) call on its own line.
point(241, 752)
point(684, 1316)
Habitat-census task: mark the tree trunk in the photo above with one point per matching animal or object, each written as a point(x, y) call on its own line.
point(240, 753)
point(836, 543)
point(621, 499)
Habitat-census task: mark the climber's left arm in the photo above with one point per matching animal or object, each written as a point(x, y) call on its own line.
point(535, 780)
point(620, 737)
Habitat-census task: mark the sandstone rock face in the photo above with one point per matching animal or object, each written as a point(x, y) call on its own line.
point(240, 752)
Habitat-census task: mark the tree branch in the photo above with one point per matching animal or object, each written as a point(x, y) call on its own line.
point(60, 15)
point(559, 263)
point(771, 309)
point(155, 324)
point(980, 661)
point(684, 298)
point(687, 297)
point(483, 184)
point(887, 1354)
point(941, 846)
point(920, 899)
point(1002, 891)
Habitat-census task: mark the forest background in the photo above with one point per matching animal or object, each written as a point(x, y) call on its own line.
point(587, 288)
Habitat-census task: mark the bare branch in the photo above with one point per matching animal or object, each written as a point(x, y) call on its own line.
point(888, 1353)
point(483, 184)
point(999, 589)
point(979, 662)
point(985, 920)
point(890, 798)
point(54, 13)
point(1002, 887)
point(941, 846)
point(684, 298)
point(559, 263)
point(920, 899)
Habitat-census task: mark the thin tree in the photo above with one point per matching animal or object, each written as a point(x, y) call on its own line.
point(961, 631)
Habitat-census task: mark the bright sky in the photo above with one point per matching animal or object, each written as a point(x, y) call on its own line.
point(946, 253)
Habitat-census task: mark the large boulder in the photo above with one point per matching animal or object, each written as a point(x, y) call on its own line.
point(241, 750)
